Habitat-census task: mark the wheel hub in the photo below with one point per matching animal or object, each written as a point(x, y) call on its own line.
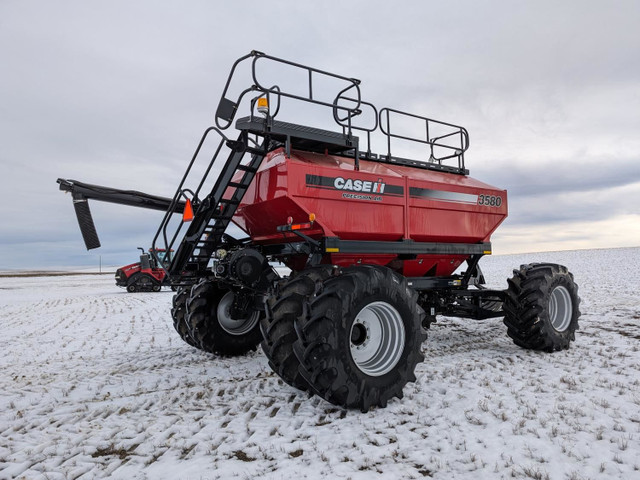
point(377, 338)
point(358, 334)
point(560, 308)
point(234, 326)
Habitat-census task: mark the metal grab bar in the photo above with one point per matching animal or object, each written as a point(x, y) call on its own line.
point(226, 111)
point(457, 149)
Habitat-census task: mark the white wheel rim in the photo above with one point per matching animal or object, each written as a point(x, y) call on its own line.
point(231, 325)
point(560, 308)
point(377, 339)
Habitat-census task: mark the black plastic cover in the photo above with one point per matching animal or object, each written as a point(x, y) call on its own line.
point(85, 221)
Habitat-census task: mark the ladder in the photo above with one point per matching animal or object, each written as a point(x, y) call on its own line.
point(214, 212)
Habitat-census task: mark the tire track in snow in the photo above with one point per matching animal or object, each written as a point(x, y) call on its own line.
point(112, 391)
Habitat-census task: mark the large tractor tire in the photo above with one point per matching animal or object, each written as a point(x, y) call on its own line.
point(541, 307)
point(211, 326)
point(178, 314)
point(284, 309)
point(360, 339)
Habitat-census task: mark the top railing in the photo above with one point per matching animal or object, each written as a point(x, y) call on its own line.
point(227, 108)
point(446, 143)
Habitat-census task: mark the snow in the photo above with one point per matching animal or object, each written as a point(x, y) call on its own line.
point(97, 384)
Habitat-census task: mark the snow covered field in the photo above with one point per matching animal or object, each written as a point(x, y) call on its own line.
point(95, 383)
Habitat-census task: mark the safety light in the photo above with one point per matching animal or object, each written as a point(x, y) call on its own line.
point(187, 214)
point(263, 105)
point(290, 226)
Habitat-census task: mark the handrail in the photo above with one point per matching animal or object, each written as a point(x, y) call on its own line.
point(226, 108)
point(451, 143)
point(445, 141)
point(350, 126)
point(339, 120)
point(226, 111)
point(352, 82)
point(181, 192)
point(456, 150)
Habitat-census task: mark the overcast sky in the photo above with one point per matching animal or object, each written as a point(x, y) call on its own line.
point(118, 93)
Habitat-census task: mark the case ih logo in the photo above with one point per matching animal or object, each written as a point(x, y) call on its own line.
point(378, 187)
point(364, 186)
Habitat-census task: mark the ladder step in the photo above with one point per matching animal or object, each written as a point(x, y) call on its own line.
point(214, 227)
point(221, 217)
point(206, 243)
point(203, 243)
point(213, 220)
point(200, 257)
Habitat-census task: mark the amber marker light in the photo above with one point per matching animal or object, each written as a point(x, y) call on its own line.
point(263, 106)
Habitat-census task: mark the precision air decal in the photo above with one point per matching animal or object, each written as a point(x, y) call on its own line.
point(360, 188)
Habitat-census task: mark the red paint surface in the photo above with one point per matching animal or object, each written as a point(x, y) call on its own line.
point(280, 190)
point(156, 273)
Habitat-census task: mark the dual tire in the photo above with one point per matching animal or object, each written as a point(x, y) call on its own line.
point(178, 314)
point(354, 338)
point(542, 307)
point(202, 317)
point(284, 308)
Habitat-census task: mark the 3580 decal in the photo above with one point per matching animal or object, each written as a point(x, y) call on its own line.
point(490, 200)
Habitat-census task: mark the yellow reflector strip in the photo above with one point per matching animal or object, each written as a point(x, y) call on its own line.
point(487, 252)
point(332, 250)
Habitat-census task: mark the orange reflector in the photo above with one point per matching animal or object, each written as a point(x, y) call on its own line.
point(312, 217)
point(301, 226)
point(187, 214)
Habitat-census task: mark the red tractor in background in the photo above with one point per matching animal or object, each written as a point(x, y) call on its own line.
point(378, 244)
point(146, 275)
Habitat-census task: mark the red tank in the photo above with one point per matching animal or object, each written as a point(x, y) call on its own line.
point(378, 202)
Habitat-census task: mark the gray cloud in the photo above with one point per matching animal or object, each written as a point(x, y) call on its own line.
point(564, 176)
point(117, 93)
